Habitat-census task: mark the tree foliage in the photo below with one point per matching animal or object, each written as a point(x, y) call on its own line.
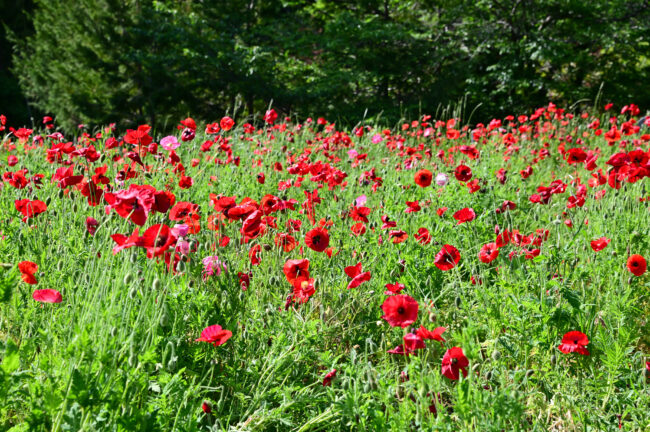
point(154, 61)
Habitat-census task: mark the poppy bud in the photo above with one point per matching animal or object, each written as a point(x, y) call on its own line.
point(133, 292)
point(48, 200)
point(432, 317)
point(553, 359)
point(488, 376)
point(190, 284)
point(496, 355)
point(529, 373)
point(128, 278)
point(60, 194)
point(164, 319)
point(458, 302)
point(156, 284)
point(113, 331)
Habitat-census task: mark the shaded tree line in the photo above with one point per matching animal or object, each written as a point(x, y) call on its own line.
point(142, 61)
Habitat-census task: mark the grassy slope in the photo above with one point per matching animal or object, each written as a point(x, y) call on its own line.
point(118, 353)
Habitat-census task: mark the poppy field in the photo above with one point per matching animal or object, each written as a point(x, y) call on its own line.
point(289, 274)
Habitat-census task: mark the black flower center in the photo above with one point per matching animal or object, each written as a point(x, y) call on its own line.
point(401, 310)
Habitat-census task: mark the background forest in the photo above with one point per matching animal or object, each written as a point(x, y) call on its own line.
point(156, 61)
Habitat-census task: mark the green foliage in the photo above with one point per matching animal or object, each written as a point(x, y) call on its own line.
point(157, 61)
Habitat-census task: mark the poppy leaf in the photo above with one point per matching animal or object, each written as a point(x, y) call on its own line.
point(7, 284)
point(571, 297)
point(10, 357)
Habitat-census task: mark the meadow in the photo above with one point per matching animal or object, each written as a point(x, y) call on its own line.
point(287, 274)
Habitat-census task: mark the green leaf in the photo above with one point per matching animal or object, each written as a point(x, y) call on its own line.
point(7, 284)
point(11, 358)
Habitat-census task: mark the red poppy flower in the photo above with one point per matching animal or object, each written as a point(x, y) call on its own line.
point(226, 123)
point(465, 215)
point(395, 288)
point(447, 258)
point(27, 270)
point(358, 229)
point(303, 289)
point(206, 408)
point(134, 203)
point(254, 254)
point(360, 214)
point(441, 211)
point(357, 274)
point(327, 381)
point(317, 239)
point(400, 310)
point(29, 208)
point(252, 226)
point(637, 265)
point(91, 225)
point(574, 341)
point(270, 116)
point(47, 296)
point(413, 342)
point(261, 178)
point(285, 241)
point(398, 236)
point(423, 236)
point(412, 207)
point(599, 244)
point(157, 239)
point(423, 178)
point(435, 334)
point(215, 335)
point(244, 280)
point(488, 253)
point(463, 173)
point(296, 268)
point(454, 361)
point(182, 210)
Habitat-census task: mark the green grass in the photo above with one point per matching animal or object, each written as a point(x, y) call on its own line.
point(119, 352)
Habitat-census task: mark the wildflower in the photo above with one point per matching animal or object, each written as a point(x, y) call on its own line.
point(27, 270)
point(357, 274)
point(400, 310)
point(574, 341)
point(215, 335)
point(47, 296)
point(454, 361)
point(317, 239)
point(447, 258)
point(212, 265)
point(423, 178)
point(637, 265)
